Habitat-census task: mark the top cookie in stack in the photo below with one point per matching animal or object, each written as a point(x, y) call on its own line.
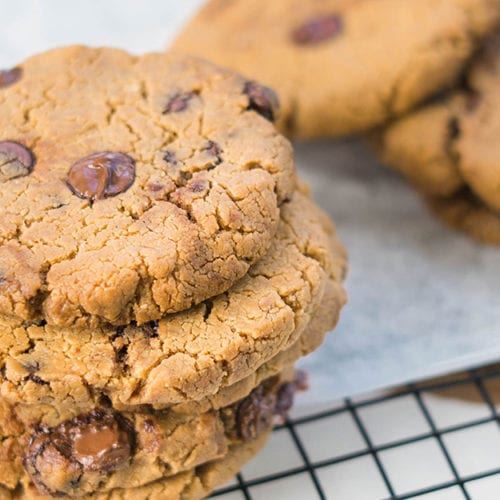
point(342, 66)
point(161, 272)
point(132, 187)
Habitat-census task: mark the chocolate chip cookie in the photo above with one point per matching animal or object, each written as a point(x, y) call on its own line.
point(342, 66)
point(450, 149)
point(132, 187)
point(189, 356)
point(102, 450)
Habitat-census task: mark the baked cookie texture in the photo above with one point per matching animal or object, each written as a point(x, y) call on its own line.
point(132, 187)
point(102, 450)
point(450, 149)
point(342, 66)
point(192, 355)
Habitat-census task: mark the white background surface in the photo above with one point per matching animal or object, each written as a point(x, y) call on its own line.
point(422, 299)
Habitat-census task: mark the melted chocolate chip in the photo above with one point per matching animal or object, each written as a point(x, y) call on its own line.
point(58, 458)
point(262, 99)
point(255, 413)
point(317, 30)
point(16, 160)
point(178, 102)
point(10, 76)
point(101, 175)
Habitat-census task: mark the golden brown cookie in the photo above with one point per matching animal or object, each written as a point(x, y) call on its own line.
point(450, 149)
point(131, 187)
point(323, 320)
point(342, 66)
point(192, 355)
point(102, 450)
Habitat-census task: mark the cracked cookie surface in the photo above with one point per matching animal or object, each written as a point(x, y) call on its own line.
point(450, 149)
point(102, 450)
point(342, 66)
point(192, 355)
point(131, 187)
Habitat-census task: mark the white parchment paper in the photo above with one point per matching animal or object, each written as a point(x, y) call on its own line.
point(423, 300)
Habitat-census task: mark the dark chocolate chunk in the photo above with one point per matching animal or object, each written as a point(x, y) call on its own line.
point(16, 160)
point(318, 29)
point(57, 458)
point(101, 175)
point(255, 413)
point(262, 99)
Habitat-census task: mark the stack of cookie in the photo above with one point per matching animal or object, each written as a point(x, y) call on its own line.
point(161, 270)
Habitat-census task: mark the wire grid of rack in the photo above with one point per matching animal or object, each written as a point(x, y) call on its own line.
point(404, 446)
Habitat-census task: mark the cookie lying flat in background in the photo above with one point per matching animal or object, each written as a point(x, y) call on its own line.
point(132, 187)
point(342, 66)
point(450, 149)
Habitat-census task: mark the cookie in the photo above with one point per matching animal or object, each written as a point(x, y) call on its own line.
point(103, 450)
point(324, 319)
point(450, 150)
point(342, 66)
point(132, 187)
point(191, 355)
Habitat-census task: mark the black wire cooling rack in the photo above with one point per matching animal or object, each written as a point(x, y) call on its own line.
point(459, 482)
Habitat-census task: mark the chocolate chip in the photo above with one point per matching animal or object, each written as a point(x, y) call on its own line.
point(16, 160)
point(317, 30)
point(178, 102)
point(58, 458)
point(10, 76)
point(213, 149)
point(255, 413)
point(101, 175)
point(262, 99)
point(169, 157)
